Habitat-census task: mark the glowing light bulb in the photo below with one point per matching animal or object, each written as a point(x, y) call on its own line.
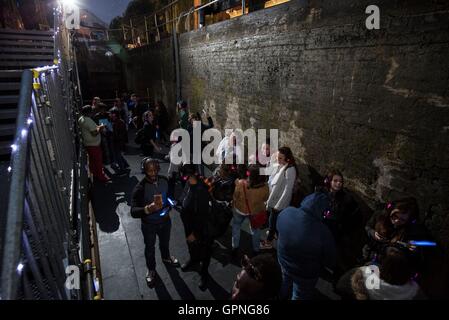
point(14, 147)
point(20, 267)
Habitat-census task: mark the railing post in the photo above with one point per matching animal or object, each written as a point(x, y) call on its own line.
point(243, 7)
point(132, 30)
point(14, 219)
point(146, 30)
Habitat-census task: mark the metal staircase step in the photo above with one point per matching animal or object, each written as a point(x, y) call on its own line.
point(10, 36)
point(7, 129)
point(25, 64)
point(8, 99)
point(5, 147)
point(9, 86)
point(14, 43)
point(27, 32)
point(22, 50)
point(8, 114)
point(10, 74)
point(35, 57)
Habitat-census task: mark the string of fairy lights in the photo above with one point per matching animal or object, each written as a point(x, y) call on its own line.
point(37, 72)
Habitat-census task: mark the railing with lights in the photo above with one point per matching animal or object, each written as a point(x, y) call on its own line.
point(47, 225)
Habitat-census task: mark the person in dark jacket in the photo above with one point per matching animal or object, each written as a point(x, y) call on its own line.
point(345, 221)
point(195, 120)
point(305, 246)
point(149, 135)
point(195, 215)
point(149, 203)
point(162, 119)
point(102, 117)
point(398, 222)
point(259, 279)
point(119, 139)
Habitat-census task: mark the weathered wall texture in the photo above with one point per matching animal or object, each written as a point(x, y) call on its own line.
point(150, 71)
point(373, 103)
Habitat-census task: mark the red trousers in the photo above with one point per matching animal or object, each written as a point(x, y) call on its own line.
point(96, 162)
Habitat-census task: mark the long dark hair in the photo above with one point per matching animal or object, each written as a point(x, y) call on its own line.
point(330, 175)
point(287, 152)
point(255, 179)
point(408, 204)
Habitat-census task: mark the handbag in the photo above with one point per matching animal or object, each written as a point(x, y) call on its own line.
point(256, 220)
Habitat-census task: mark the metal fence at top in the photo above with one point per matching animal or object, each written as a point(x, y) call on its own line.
point(178, 15)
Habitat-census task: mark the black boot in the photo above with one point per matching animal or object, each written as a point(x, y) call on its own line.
point(188, 265)
point(203, 282)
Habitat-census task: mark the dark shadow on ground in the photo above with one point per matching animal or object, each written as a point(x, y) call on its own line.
point(217, 291)
point(161, 291)
point(180, 285)
point(104, 205)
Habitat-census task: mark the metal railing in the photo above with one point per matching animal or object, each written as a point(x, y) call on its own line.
point(144, 29)
point(48, 220)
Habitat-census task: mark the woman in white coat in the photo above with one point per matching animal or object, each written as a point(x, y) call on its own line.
point(281, 183)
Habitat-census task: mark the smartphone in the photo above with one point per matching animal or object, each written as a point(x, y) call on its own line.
point(157, 199)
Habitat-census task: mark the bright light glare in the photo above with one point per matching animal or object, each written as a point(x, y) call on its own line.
point(69, 4)
point(20, 267)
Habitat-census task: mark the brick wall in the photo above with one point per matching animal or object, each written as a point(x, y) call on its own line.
point(373, 103)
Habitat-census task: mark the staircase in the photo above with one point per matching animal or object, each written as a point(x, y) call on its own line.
point(19, 50)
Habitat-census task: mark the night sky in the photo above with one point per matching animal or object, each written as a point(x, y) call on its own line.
point(105, 9)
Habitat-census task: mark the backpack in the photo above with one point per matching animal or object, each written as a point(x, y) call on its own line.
point(140, 136)
point(220, 216)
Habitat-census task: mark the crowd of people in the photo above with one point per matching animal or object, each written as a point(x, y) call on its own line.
point(296, 238)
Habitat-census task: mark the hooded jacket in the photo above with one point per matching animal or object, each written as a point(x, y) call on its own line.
point(305, 244)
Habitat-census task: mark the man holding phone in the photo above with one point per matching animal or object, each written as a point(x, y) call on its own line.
point(149, 203)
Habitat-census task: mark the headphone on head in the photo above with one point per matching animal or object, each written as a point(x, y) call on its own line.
point(147, 161)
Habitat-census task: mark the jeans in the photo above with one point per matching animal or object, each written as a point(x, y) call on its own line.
point(237, 221)
point(297, 289)
point(272, 224)
point(149, 232)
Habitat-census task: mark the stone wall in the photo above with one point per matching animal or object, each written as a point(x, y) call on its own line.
point(373, 103)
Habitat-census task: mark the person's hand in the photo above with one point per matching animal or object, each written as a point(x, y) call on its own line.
point(379, 237)
point(152, 207)
point(191, 238)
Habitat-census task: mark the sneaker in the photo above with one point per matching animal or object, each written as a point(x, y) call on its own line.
point(172, 261)
point(266, 245)
point(150, 278)
point(188, 265)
